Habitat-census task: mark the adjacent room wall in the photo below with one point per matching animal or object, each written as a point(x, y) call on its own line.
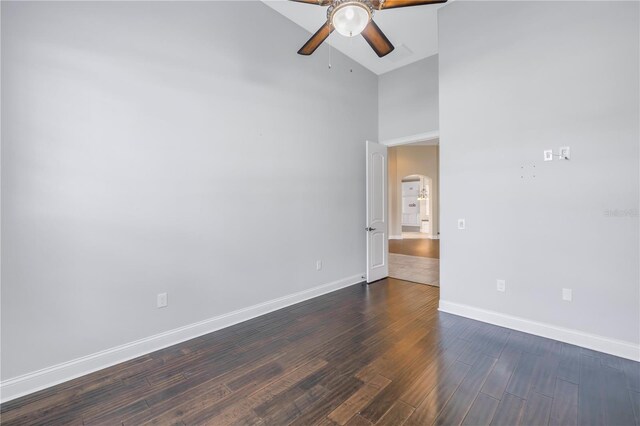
point(517, 78)
point(137, 138)
point(392, 195)
point(408, 100)
point(407, 160)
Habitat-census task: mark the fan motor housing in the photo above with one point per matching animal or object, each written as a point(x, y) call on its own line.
point(339, 4)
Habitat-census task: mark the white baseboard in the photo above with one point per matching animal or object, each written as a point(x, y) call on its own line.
point(395, 237)
point(50, 376)
point(615, 347)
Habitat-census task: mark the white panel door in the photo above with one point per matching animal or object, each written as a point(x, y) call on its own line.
point(377, 239)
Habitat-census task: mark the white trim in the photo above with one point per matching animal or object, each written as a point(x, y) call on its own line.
point(420, 137)
point(50, 376)
point(395, 237)
point(615, 347)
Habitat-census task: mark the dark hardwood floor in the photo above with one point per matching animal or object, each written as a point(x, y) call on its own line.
point(379, 354)
point(422, 247)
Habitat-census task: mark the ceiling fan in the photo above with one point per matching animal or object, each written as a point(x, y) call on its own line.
point(353, 17)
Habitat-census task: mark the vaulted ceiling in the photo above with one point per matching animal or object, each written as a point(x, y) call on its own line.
point(412, 30)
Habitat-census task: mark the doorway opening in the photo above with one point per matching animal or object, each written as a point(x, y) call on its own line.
point(416, 207)
point(413, 203)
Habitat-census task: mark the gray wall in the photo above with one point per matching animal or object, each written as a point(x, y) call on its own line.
point(137, 140)
point(517, 78)
point(408, 100)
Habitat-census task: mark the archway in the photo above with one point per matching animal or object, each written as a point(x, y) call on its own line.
point(416, 206)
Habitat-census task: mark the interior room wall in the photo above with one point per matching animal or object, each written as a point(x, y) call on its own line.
point(518, 78)
point(405, 160)
point(408, 100)
point(134, 136)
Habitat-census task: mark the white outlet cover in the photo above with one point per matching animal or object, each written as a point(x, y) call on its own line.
point(318, 265)
point(548, 155)
point(565, 153)
point(567, 294)
point(462, 224)
point(501, 285)
point(162, 300)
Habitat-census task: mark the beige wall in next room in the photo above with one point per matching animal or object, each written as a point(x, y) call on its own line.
point(412, 160)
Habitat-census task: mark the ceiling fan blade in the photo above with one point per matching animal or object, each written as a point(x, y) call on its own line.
point(392, 4)
point(316, 2)
point(316, 39)
point(377, 40)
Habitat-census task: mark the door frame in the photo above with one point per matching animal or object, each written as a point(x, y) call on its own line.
point(407, 140)
point(420, 137)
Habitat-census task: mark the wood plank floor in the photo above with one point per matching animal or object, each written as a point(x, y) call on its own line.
point(422, 247)
point(379, 354)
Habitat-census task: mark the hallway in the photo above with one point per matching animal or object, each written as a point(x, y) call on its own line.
point(415, 260)
point(423, 247)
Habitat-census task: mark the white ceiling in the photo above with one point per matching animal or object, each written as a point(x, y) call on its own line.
point(412, 30)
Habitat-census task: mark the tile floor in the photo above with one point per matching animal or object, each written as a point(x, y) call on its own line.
point(422, 270)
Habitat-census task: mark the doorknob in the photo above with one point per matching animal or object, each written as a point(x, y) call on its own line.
point(369, 229)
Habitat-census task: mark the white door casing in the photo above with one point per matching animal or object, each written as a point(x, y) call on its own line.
point(376, 229)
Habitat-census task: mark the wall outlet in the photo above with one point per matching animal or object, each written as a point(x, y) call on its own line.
point(162, 300)
point(565, 153)
point(318, 265)
point(501, 285)
point(548, 155)
point(462, 224)
point(567, 294)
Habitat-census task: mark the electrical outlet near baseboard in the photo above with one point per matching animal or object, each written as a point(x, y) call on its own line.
point(501, 285)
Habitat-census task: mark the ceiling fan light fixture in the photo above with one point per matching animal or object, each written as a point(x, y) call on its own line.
point(353, 17)
point(350, 18)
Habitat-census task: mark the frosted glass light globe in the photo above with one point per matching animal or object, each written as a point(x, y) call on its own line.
point(350, 19)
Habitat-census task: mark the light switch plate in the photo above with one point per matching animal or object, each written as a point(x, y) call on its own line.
point(548, 155)
point(462, 224)
point(567, 294)
point(501, 285)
